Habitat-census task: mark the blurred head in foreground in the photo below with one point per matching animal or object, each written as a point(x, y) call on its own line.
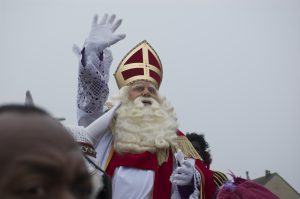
point(39, 159)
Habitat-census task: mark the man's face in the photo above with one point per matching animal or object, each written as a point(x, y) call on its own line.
point(144, 89)
point(39, 160)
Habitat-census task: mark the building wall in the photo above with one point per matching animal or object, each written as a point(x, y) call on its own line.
point(281, 189)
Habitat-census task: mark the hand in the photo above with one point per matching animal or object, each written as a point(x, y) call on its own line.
point(183, 174)
point(96, 129)
point(102, 33)
point(179, 156)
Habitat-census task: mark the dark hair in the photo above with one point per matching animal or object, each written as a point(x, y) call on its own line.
point(204, 147)
point(20, 108)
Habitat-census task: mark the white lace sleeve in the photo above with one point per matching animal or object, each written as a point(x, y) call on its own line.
point(92, 93)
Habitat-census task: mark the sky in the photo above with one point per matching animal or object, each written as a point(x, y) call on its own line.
point(231, 68)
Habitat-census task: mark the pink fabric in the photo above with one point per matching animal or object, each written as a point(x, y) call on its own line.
point(245, 190)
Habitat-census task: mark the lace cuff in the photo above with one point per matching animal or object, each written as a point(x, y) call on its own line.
point(93, 77)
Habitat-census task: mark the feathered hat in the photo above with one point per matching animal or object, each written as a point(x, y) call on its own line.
point(140, 63)
point(244, 189)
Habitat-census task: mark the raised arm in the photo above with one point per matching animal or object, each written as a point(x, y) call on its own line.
point(93, 74)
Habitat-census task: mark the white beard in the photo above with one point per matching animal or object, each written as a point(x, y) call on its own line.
point(140, 128)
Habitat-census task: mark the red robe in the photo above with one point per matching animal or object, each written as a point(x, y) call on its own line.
point(162, 185)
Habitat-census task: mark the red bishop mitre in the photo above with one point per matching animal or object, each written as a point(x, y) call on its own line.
point(141, 63)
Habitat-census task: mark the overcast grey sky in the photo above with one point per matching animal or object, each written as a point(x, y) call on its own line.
point(231, 68)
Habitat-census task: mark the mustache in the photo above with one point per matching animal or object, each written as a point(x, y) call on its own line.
point(142, 98)
point(143, 102)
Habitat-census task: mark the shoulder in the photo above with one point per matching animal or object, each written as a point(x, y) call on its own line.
point(186, 146)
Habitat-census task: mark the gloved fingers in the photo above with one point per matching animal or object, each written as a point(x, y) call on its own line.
point(187, 164)
point(117, 38)
point(112, 19)
point(179, 156)
point(121, 36)
point(104, 19)
point(181, 177)
point(116, 25)
point(183, 170)
point(179, 182)
point(95, 20)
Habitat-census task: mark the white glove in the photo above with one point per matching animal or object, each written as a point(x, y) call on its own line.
point(96, 129)
point(179, 156)
point(102, 34)
point(184, 173)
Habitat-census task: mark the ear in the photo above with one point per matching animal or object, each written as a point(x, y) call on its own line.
point(97, 129)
